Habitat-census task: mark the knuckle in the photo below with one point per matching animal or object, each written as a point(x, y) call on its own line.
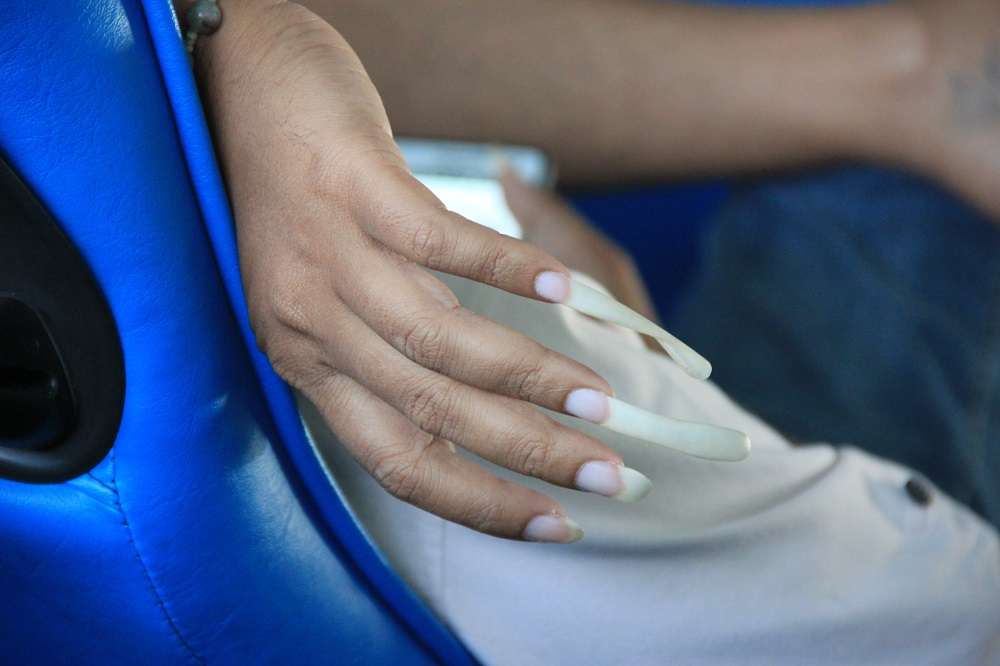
point(425, 341)
point(324, 179)
point(431, 404)
point(428, 242)
point(282, 308)
point(292, 361)
point(525, 379)
point(287, 309)
point(532, 454)
point(485, 516)
point(284, 359)
point(328, 389)
point(401, 474)
point(281, 330)
point(298, 369)
point(495, 264)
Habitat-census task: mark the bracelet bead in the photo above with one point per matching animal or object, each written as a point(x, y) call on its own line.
point(204, 17)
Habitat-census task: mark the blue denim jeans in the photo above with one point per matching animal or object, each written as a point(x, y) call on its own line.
point(860, 305)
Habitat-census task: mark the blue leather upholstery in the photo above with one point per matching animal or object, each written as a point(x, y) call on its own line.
point(209, 534)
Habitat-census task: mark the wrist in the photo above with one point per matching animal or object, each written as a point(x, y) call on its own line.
point(235, 13)
point(233, 6)
point(896, 48)
point(242, 30)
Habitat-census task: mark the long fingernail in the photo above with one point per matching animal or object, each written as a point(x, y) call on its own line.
point(697, 439)
point(552, 286)
point(588, 404)
point(552, 529)
point(590, 301)
point(615, 481)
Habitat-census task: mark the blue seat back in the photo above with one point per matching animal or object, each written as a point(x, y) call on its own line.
point(209, 534)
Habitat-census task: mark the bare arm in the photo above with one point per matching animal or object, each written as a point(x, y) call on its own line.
point(637, 89)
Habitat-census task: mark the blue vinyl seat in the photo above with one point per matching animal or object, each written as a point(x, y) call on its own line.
point(209, 533)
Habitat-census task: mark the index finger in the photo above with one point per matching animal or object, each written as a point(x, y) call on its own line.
point(413, 223)
point(407, 218)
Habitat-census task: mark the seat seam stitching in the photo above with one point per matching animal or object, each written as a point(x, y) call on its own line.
point(171, 623)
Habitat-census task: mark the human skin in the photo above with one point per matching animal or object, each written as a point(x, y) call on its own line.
point(624, 90)
point(335, 237)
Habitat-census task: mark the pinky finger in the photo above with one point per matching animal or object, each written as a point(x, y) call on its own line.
point(424, 470)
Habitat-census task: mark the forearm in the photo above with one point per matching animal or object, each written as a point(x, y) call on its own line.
point(632, 89)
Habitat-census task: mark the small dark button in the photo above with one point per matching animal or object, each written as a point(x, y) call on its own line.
point(919, 492)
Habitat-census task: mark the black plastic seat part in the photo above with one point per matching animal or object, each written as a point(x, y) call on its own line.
point(62, 379)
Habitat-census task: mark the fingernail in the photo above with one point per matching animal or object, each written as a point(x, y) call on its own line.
point(552, 286)
point(615, 481)
point(595, 303)
point(588, 404)
point(696, 439)
point(552, 529)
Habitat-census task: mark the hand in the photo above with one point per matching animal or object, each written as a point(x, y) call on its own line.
point(948, 124)
point(335, 237)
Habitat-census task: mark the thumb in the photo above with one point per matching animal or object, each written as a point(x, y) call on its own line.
point(545, 219)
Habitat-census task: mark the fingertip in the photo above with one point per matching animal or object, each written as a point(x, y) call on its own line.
point(552, 528)
point(613, 480)
point(526, 201)
point(511, 180)
point(515, 193)
point(588, 404)
point(508, 174)
point(552, 286)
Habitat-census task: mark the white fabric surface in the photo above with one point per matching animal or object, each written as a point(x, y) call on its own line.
point(806, 555)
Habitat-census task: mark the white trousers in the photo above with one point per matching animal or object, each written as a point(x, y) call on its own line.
point(798, 555)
